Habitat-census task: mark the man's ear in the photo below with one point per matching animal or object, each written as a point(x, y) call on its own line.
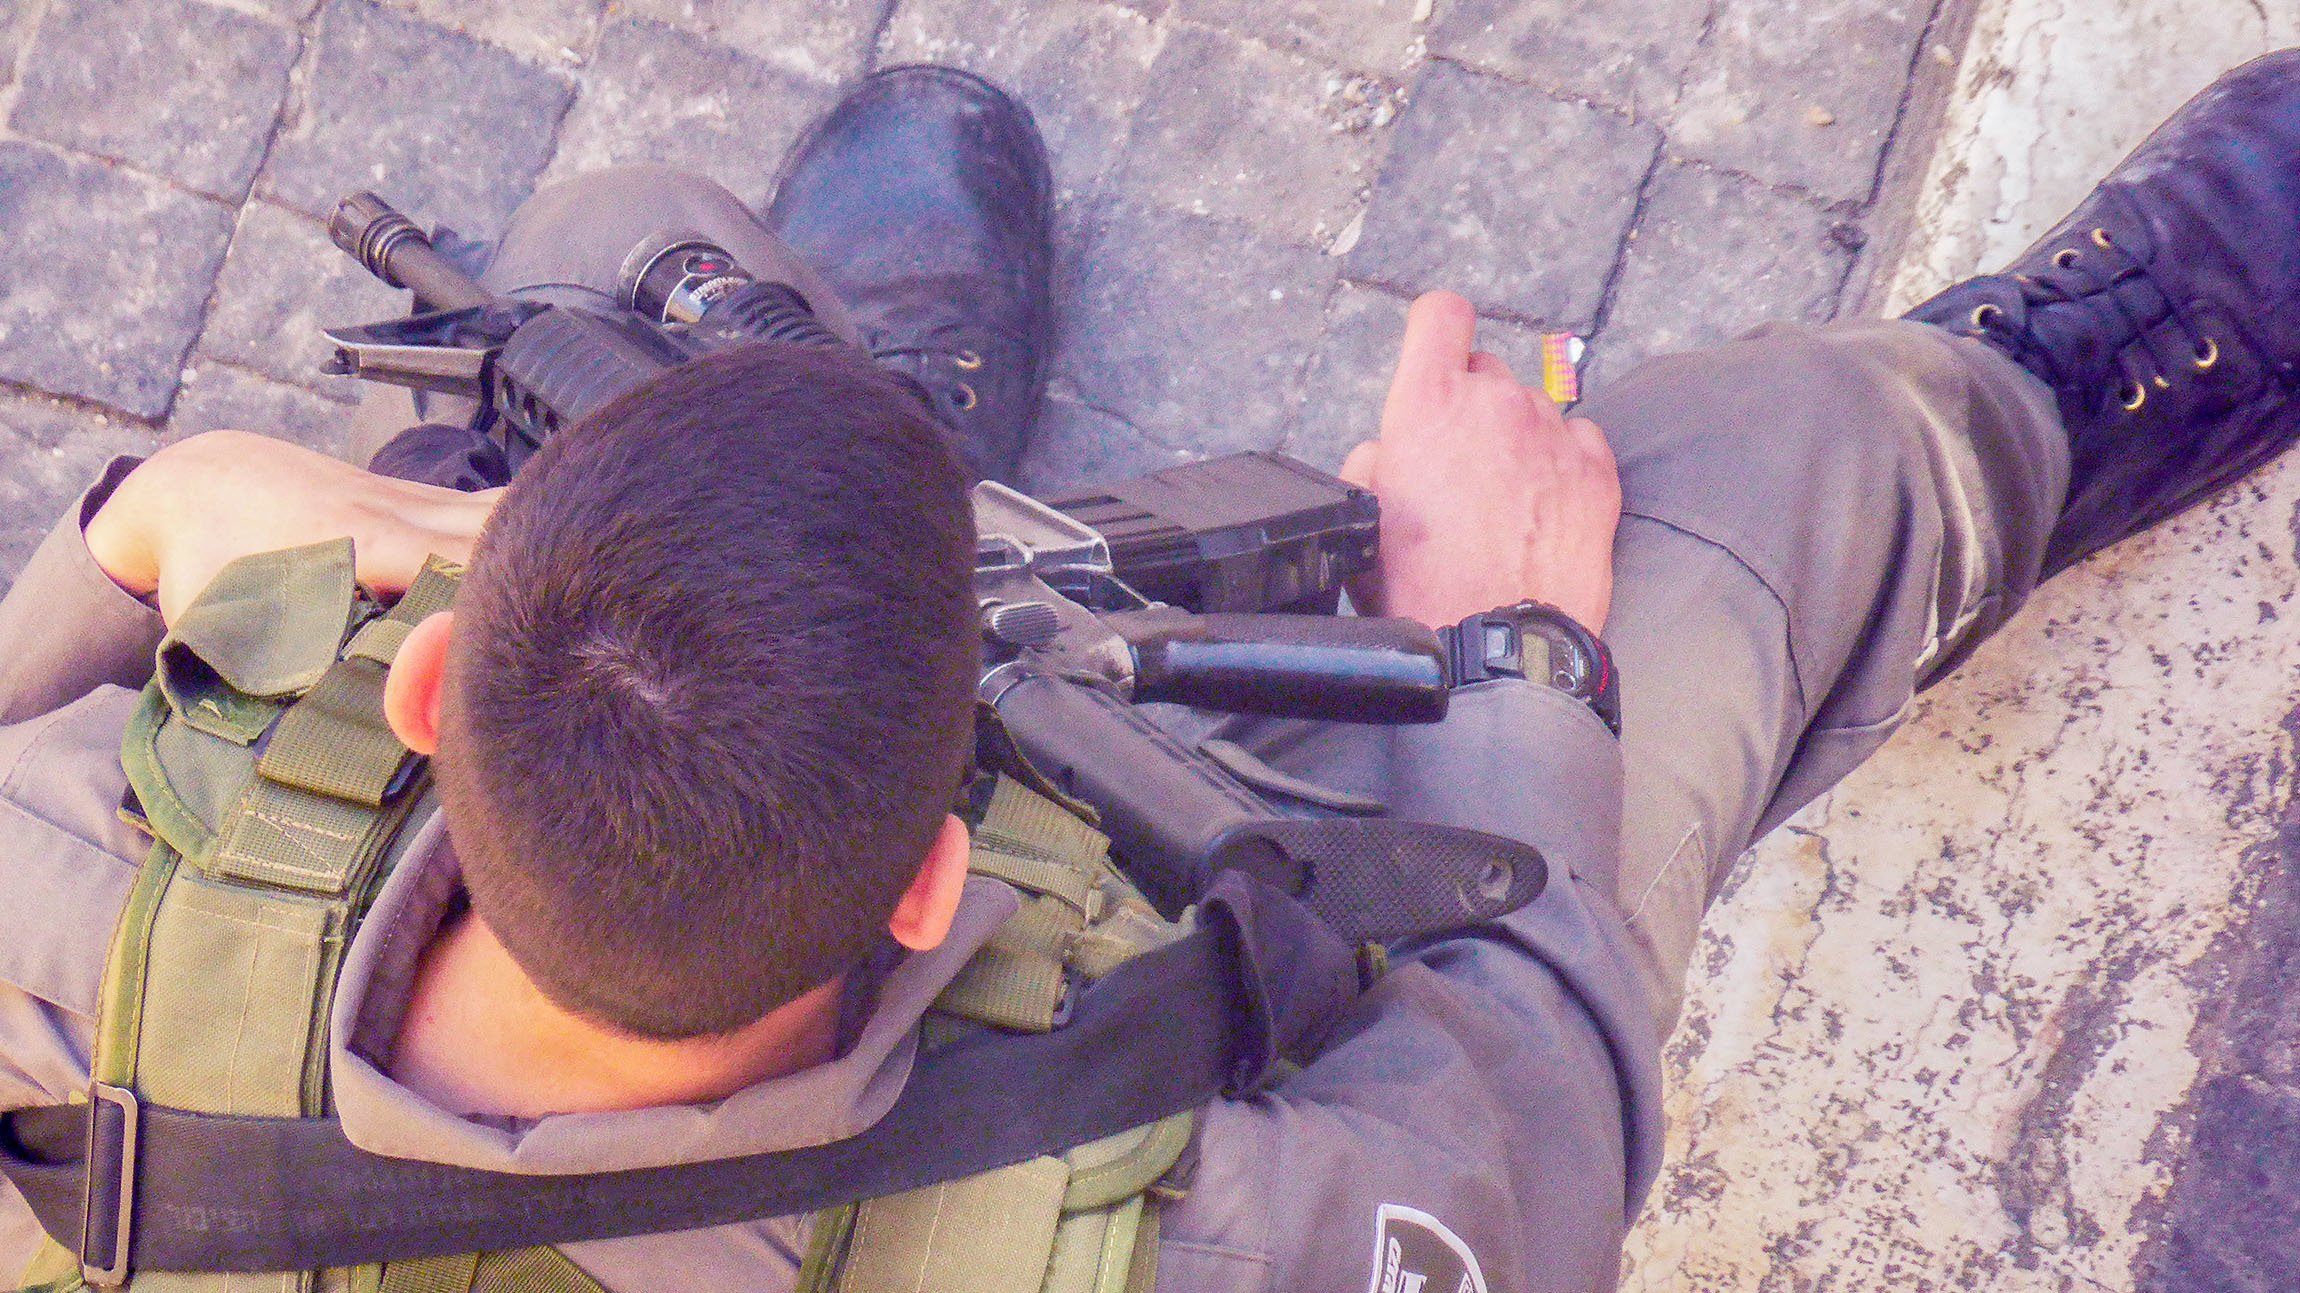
point(411, 691)
point(922, 919)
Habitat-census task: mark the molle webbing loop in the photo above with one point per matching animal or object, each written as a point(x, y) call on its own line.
point(521, 1270)
point(1074, 1222)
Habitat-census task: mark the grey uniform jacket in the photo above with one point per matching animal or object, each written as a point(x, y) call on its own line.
point(1487, 1121)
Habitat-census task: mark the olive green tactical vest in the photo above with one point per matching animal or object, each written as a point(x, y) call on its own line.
point(279, 800)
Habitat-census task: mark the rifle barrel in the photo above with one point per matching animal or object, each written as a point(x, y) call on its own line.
point(392, 248)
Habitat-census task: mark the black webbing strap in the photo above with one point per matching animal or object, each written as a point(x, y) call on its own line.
point(1167, 1031)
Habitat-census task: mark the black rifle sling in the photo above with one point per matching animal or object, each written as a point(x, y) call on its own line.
point(1165, 1032)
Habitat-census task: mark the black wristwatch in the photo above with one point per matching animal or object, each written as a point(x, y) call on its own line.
point(1539, 643)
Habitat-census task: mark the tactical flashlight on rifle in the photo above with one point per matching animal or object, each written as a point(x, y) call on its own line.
point(1211, 584)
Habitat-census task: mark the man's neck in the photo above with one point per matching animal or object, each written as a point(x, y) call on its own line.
point(480, 1038)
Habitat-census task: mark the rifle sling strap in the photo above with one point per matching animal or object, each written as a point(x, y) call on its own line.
point(1261, 978)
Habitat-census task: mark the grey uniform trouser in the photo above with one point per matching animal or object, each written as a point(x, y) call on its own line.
point(1818, 522)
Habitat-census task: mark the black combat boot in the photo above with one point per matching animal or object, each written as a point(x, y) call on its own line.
point(2165, 311)
point(924, 199)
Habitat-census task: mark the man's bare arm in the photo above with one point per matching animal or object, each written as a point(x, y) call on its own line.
point(200, 504)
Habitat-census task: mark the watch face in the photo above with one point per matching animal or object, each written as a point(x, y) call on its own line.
point(1538, 657)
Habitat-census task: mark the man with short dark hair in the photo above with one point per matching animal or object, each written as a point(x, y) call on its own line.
point(685, 657)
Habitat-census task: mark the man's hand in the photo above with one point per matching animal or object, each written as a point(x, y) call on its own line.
point(200, 504)
point(1489, 494)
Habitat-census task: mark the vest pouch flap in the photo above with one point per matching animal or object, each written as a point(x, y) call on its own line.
point(263, 630)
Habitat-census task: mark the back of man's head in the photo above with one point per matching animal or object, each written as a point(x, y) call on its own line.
point(709, 694)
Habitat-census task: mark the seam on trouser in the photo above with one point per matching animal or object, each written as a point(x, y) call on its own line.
point(1788, 621)
point(41, 725)
point(1693, 837)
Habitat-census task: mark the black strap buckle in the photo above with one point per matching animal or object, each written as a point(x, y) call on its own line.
point(114, 1119)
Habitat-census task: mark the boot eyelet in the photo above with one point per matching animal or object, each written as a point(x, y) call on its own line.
point(2163, 383)
point(967, 399)
point(2207, 355)
point(1985, 314)
point(968, 360)
point(2100, 239)
point(2067, 257)
point(2132, 395)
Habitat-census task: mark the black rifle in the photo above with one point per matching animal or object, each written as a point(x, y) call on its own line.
point(1071, 643)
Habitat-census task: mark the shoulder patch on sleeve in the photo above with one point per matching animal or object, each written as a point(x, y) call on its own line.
point(1415, 1252)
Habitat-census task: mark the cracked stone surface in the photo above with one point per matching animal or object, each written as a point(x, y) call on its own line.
point(1801, 95)
point(368, 112)
point(1628, 56)
point(1720, 256)
point(86, 86)
point(1990, 1015)
point(1463, 202)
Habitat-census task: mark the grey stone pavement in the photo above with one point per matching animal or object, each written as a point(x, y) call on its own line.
point(1251, 191)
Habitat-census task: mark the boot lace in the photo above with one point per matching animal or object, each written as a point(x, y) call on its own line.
point(2079, 296)
point(945, 359)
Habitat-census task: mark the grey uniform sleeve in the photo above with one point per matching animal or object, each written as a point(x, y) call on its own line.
point(66, 863)
point(65, 627)
point(73, 647)
point(1492, 1110)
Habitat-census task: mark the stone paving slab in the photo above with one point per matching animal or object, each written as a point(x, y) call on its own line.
point(1187, 152)
point(657, 94)
point(552, 33)
point(825, 41)
point(225, 73)
point(1382, 37)
point(1153, 334)
point(104, 276)
point(220, 396)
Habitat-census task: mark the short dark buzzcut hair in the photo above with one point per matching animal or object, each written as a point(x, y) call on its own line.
point(710, 691)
